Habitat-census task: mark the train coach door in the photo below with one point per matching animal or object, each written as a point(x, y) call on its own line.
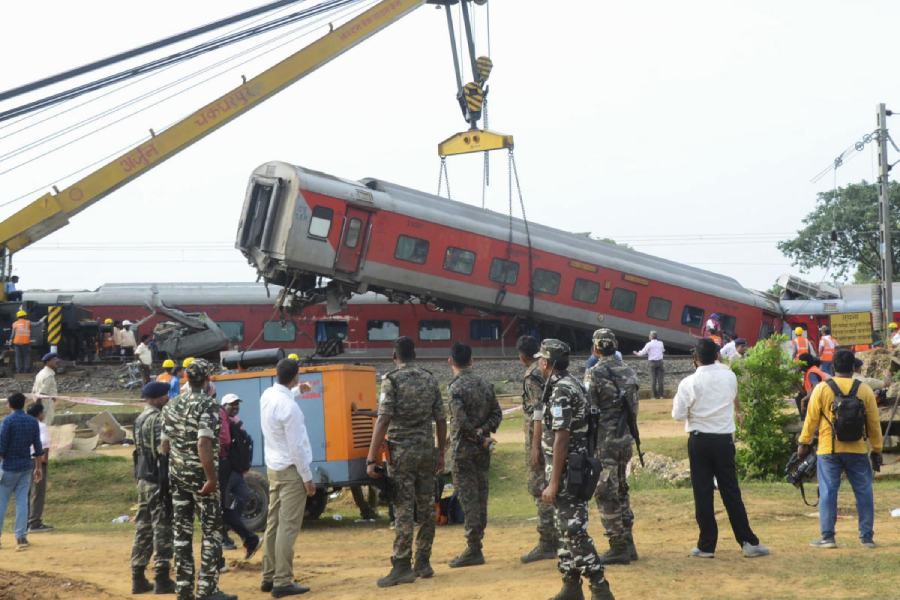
point(353, 240)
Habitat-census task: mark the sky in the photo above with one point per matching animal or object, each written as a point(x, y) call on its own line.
point(689, 130)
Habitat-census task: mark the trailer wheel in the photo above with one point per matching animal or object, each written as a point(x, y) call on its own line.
point(256, 510)
point(315, 505)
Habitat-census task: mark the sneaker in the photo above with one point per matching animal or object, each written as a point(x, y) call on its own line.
point(751, 551)
point(823, 543)
point(41, 528)
point(698, 553)
point(21, 543)
point(868, 543)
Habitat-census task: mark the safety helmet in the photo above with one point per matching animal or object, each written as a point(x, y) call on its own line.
point(187, 362)
point(892, 325)
point(293, 356)
point(168, 364)
point(21, 313)
point(107, 321)
point(798, 331)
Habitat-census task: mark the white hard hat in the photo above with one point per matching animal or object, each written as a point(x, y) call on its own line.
point(126, 322)
point(230, 398)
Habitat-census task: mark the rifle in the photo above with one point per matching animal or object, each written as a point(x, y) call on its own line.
point(165, 492)
point(630, 417)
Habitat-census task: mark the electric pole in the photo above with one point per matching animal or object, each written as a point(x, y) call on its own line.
point(886, 223)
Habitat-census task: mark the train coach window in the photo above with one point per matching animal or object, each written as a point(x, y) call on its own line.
point(320, 223)
point(659, 308)
point(329, 330)
point(484, 329)
point(504, 271)
point(434, 331)
point(623, 300)
point(233, 330)
point(729, 324)
point(459, 260)
point(353, 229)
point(411, 249)
point(383, 331)
point(277, 331)
point(692, 316)
point(586, 291)
point(546, 282)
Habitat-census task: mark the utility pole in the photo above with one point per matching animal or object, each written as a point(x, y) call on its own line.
point(886, 223)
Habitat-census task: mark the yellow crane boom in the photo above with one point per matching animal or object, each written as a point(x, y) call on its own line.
point(51, 212)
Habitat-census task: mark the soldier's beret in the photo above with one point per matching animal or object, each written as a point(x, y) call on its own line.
point(155, 389)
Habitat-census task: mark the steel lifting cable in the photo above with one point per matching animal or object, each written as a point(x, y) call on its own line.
point(515, 173)
point(444, 176)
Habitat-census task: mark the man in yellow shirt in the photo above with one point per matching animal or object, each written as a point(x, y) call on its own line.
point(835, 456)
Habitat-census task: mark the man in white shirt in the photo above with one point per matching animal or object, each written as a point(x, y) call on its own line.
point(707, 402)
point(45, 386)
point(654, 350)
point(288, 456)
point(38, 493)
point(145, 358)
point(734, 349)
point(126, 341)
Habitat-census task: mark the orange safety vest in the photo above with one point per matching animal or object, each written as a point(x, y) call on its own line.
point(21, 332)
point(807, 384)
point(802, 344)
point(164, 378)
point(108, 341)
point(827, 345)
point(717, 339)
point(862, 347)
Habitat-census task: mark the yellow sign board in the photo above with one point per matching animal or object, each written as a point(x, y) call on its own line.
point(852, 328)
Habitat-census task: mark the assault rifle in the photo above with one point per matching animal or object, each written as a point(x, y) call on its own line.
point(630, 416)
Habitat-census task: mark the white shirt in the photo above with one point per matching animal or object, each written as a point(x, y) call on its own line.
point(285, 440)
point(126, 338)
point(895, 341)
point(45, 435)
point(653, 350)
point(728, 350)
point(705, 400)
point(45, 384)
point(144, 354)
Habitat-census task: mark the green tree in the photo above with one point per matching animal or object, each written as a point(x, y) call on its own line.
point(852, 212)
point(766, 377)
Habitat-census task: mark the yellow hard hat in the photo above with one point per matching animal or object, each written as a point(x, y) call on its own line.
point(187, 362)
point(107, 321)
point(293, 356)
point(21, 313)
point(892, 325)
point(168, 364)
point(798, 331)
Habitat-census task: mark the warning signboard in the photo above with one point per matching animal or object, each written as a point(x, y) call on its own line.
point(852, 328)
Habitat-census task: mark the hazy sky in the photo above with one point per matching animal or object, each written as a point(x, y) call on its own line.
point(655, 123)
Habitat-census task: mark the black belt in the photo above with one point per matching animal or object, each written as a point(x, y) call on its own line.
point(711, 435)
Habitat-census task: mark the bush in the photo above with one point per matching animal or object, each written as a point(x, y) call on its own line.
point(766, 376)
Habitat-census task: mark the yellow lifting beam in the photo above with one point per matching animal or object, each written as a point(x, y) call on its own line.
point(474, 140)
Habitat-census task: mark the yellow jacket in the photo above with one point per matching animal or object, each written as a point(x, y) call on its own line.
point(820, 405)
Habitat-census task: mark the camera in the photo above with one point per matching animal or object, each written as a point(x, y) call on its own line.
point(800, 470)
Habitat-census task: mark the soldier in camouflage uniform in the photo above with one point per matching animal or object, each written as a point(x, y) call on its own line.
point(191, 431)
point(410, 402)
point(532, 408)
point(565, 431)
point(153, 521)
point(610, 383)
point(474, 415)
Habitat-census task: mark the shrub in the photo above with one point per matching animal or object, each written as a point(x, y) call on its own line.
point(766, 377)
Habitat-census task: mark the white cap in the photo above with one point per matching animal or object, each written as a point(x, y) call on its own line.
point(126, 322)
point(230, 398)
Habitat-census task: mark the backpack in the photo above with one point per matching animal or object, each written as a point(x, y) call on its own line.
point(240, 454)
point(849, 413)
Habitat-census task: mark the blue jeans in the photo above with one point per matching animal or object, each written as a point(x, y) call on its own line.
point(859, 473)
point(828, 367)
point(15, 483)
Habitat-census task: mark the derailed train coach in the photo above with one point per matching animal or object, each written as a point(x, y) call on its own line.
point(324, 238)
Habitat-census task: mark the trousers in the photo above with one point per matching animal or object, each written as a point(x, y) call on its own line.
point(23, 358)
point(186, 503)
point(412, 469)
point(611, 495)
point(38, 496)
point(859, 473)
point(287, 503)
point(153, 530)
point(537, 481)
point(470, 479)
point(657, 378)
point(15, 484)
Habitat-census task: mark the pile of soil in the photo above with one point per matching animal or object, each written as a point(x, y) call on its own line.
point(38, 585)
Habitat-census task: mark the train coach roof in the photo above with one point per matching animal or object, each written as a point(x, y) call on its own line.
point(580, 247)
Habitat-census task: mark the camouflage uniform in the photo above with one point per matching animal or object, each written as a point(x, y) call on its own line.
point(188, 417)
point(410, 396)
point(473, 406)
point(532, 390)
point(613, 440)
point(567, 409)
point(153, 521)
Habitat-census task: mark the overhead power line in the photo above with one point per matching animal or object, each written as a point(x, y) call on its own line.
point(122, 56)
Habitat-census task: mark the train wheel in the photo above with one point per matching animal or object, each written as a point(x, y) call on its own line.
point(256, 510)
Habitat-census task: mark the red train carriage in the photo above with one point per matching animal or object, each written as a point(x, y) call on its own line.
point(299, 225)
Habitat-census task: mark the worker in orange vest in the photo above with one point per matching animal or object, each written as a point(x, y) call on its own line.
point(168, 369)
point(813, 375)
point(827, 346)
point(800, 345)
point(108, 345)
point(21, 342)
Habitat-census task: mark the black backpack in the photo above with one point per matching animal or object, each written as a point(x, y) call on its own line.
point(240, 455)
point(849, 413)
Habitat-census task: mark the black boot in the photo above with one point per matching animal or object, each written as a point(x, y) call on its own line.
point(400, 573)
point(618, 553)
point(600, 591)
point(139, 583)
point(163, 584)
point(471, 556)
point(632, 550)
point(571, 588)
point(543, 551)
point(423, 566)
